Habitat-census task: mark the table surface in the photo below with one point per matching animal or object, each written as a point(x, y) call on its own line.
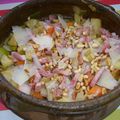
point(5, 6)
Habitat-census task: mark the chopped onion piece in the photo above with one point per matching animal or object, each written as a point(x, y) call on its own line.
point(36, 61)
point(114, 53)
point(31, 68)
point(44, 41)
point(114, 42)
point(21, 35)
point(19, 76)
point(107, 80)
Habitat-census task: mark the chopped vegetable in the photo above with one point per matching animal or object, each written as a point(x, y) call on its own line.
point(88, 54)
point(107, 80)
point(29, 52)
point(96, 23)
point(36, 61)
point(80, 96)
point(16, 56)
point(12, 41)
point(6, 61)
point(44, 42)
point(3, 51)
point(21, 35)
point(35, 25)
point(95, 91)
point(37, 95)
point(19, 76)
point(8, 76)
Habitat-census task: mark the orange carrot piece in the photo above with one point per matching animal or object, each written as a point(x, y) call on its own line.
point(31, 80)
point(70, 23)
point(37, 95)
point(20, 62)
point(96, 90)
point(50, 30)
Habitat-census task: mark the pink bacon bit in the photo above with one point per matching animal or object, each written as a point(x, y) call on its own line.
point(80, 58)
point(74, 81)
point(37, 77)
point(105, 46)
point(43, 60)
point(44, 73)
point(97, 77)
point(17, 57)
point(62, 71)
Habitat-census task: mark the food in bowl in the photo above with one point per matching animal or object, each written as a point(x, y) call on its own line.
point(62, 59)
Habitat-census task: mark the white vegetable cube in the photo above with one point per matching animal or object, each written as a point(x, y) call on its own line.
point(107, 80)
point(19, 76)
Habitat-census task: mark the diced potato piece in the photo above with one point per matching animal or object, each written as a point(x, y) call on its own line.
point(96, 23)
point(89, 54)
point(20, 49)
point(99, 40)
point(8, 76)
point(6, 61)
point(13, 48)
point(12, 41)
point(3, 51)
point(117, 64)
point(35, 25)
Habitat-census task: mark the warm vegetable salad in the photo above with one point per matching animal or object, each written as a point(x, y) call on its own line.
point(62, 59)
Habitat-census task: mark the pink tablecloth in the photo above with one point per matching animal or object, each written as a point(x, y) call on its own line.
point(5, 6)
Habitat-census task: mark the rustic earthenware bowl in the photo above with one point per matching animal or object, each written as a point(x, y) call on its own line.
point(33, 109)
